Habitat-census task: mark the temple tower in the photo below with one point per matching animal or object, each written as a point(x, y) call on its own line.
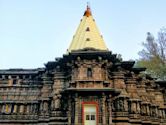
point(87, 86)
point(87, 35)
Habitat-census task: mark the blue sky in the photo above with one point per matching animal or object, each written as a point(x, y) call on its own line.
point(33, 32)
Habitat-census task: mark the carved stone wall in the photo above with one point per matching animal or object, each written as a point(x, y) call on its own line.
point(56, 93)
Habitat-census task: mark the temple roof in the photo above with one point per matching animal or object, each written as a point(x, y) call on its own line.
point(87, 35)
point(21, 71)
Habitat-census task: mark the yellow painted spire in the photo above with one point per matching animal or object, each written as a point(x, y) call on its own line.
point(87, 35)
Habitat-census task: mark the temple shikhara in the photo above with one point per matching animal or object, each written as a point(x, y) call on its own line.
point(89, 85)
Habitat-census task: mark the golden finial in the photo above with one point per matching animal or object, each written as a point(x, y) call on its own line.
point(88, 11)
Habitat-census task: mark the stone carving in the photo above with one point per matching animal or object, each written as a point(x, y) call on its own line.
point(129, 106)
point(133, 107)
point(138, 107)
point(160, 113)
point(148, 109)
point(153, 113)
point(163, 113)
point(57, 101)
point(143, 110)
point(113, 106)
point(45, 106)
point(125, 105)
point(119, 104)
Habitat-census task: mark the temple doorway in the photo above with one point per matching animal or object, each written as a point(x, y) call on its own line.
point(90, 115)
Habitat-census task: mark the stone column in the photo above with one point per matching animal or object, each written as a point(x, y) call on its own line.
point(156, 111)
point(45, 106)
point(110, 110)
point(6, 108)
point(10, 107)
point(163, 113)
point(121, 104)
point(3, 108)
point(103, 109)
point(160, 113)
point(25, 109)
point(126, 108)
point(36, 108)
point(31, 108)
point(21, 108)
point(28, 109)
point(15, 108)
point(148, 109)
point(76, 109)
point(41, 106)
point(133, 107)
point(143, 109)
point(138, 107)
point(57, 101)
point(69, 110)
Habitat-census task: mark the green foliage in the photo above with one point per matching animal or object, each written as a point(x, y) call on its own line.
point(153, 55)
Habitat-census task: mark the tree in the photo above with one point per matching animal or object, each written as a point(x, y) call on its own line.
point(153, 54)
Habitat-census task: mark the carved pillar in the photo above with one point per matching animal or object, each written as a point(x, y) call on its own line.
point(143, 109)
point(37, 108)
point(160, 113)
point(25, 109)
point(156, 111)
point(126, 108)
point(69, 110)
point(9, 107)
point(57, 102)
point(76, 109)
point(31, 108)
point(138, 107)
point(133, 107)
point(45, 94)
point(153, 111)
point(21, 108)
point(163, 113)
point(57, 89)
point(110, 110)
point(148, 109)
point(103, 109)
point(15, 108)
point(41, 106)
point(52, 104)
point(3, 108)
point(28, 109)
point(120, 104)
point(45, 106)
point(6, 108)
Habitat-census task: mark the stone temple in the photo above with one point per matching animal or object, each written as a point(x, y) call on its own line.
point(89, 85)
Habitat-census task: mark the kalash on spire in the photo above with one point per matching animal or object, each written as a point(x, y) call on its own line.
point(87, 35)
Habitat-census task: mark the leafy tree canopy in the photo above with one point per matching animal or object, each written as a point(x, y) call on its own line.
point(153, 55)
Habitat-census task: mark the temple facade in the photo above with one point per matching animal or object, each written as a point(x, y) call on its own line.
point(89, 85)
